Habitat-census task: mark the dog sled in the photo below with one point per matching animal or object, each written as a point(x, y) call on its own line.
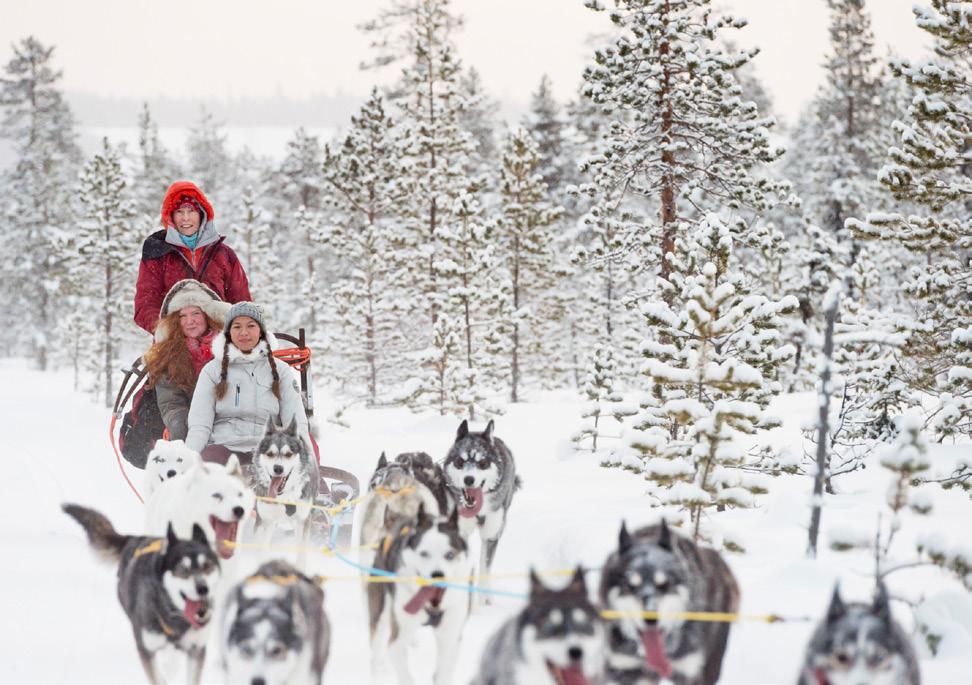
point(140, 427)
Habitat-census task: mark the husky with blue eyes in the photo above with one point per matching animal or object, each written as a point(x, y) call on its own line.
point(479, 470)
point(558, 639)
point(167, 460)
point(421, 550)
point(656, 570)
point(860, 643)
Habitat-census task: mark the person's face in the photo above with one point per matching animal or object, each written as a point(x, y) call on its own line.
point(186, 220)
point(244, 333)
point(193, 322)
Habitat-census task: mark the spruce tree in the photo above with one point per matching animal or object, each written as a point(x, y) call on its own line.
point(604, 403)
point(37, 212)
point(154, 171)
point(105, 243)
point(210, 163)
point(547, 125)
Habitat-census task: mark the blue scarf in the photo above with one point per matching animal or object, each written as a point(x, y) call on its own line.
point(190, 240)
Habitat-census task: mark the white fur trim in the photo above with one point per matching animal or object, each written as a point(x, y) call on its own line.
point(190, 293)
point(261, 350)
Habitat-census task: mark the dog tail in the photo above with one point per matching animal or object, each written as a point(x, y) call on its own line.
point(106, 541)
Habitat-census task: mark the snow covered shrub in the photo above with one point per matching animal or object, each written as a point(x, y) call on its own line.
point(605, 407)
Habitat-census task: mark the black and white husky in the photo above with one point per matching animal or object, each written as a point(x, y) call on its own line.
point(429, 547)
point(480, 471)
point(859, 643)
point(275, 629)
point(558, 639)
point(396, 490)
point(655, 569)
point(283, 468)
point(165, 585)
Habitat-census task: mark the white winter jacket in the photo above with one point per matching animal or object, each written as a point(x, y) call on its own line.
point(239, 419)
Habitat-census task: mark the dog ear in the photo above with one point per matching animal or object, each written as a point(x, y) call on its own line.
point(665, 537)
point(292, 428)
point(382, 461)
point(170, 536)
point(421, 518)
point(537, 587)
point(199, 535)
point(578, 584)
point(624, 539)
point(488, 433)
point(270, 426)
point(233, 466)
point(836, 610)
point(463, 430)
point(882, 603)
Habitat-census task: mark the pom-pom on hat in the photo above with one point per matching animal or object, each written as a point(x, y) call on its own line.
point(245, 309)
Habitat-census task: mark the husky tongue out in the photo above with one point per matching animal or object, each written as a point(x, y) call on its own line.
point(225, 531)
point(655, 657)
point(571, 675)
point(196, 612)
point(472, 502)
point(277, 484)
point(425, 595)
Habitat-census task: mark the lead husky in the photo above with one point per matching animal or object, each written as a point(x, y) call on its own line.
point(860, 643)
point(395, 491)
point(558, 639)
point(165, 585)
point(428, 547)
point(211, 496)
point(480, 471)
point(283, 468)
point(657, 570)
point(167, 459)
point(276, 631)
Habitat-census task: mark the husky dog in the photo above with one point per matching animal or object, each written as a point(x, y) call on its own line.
point(165, 585)
point(395, 491)
point(480, 471)
point(276, 631)
point(656, 570)
point(860, 643)
point(214, 497)
point(167, 459)
point(558, 639)
point(430, 547)
point(283, 468)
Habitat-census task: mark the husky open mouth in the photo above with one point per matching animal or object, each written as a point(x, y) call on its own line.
point(196, 611)
point(470, 502)
point(426, 595)
point(653, 642)
point(277, 484)
point(568, 675)
point(225, 531)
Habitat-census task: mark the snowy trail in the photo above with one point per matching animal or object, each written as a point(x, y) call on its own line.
point(64, 623)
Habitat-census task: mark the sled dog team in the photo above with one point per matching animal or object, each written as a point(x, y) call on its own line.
point(417, 522)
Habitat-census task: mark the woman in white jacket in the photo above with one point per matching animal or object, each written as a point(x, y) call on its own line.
point(240, 389)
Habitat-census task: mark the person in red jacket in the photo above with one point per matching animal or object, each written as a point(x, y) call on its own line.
point(186, 247)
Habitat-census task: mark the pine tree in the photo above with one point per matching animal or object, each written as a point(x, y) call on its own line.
point(713, 365)
point(260, 255)
point(547, 127)
point(928, 170)
point(301, 171)
point(154, 169)
point(103, 271)
point(39, 124)
point(366, 182)
point(210, 163)
point(605, 403)
point(525, 239)
point(479, 119)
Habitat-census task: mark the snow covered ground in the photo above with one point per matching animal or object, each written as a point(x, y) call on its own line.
point(63, 623)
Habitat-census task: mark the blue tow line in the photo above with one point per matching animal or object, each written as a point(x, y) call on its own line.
point(372, 571)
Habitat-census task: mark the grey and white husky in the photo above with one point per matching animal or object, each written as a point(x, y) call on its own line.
point(275, 629)
point(558, 639)
point(283, 468)
point(165, 585)
point(429, 547)
point(395, 491)
point(480, 471)
point(655, 569)
point(858, 644)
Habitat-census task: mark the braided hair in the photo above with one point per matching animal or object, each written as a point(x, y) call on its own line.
point(222, 385)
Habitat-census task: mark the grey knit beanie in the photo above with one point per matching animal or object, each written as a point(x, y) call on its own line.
point(245, 309)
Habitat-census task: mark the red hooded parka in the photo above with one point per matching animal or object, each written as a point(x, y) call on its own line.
point(166, 261)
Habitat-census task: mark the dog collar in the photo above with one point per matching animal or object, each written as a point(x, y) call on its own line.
point(149, 548)
point(166, 628)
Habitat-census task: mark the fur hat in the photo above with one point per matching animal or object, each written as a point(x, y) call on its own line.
point(246, 309)
point(190, 293)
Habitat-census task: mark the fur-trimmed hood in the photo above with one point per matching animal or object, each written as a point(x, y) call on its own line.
point(190, 293)
point(262, 349)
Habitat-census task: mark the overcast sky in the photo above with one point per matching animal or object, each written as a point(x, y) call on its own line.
point(226, 48)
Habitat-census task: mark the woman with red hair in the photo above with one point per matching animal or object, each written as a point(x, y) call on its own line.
point(187, 246)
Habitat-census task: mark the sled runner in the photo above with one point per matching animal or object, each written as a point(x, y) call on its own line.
point(141, 426)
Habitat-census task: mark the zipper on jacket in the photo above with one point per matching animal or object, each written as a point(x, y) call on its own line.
point(237, 394)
